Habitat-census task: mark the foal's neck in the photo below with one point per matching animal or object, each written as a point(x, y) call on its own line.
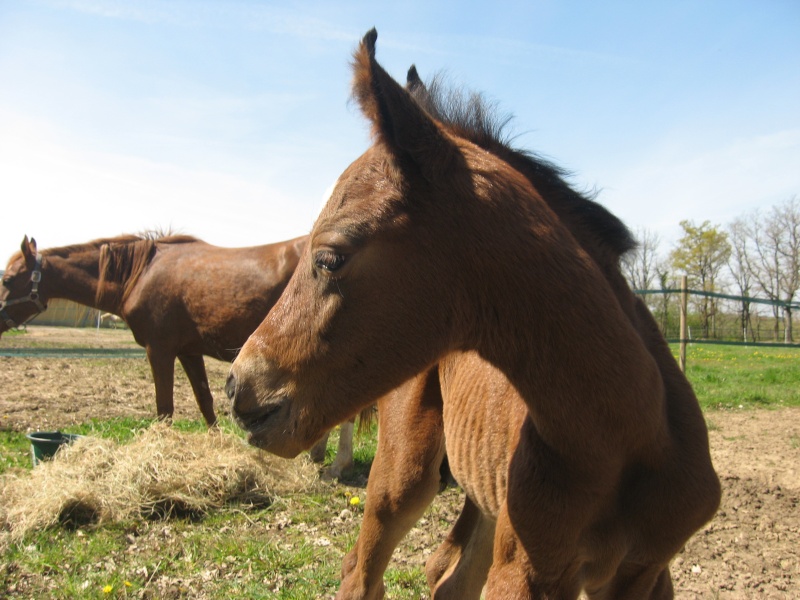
point(564, 340)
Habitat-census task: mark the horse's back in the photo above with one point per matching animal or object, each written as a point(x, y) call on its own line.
point(207, 299)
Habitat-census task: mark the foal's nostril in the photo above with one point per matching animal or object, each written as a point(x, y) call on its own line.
point(230, 386)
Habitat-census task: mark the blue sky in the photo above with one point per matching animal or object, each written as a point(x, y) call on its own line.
point(230, 120)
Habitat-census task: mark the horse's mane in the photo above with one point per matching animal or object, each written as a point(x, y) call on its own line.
point(123, 259)
point(471, 116)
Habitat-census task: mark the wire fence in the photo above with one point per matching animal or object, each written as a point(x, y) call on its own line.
point(717, 318)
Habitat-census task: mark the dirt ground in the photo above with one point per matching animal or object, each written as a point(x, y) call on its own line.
point(751, 549)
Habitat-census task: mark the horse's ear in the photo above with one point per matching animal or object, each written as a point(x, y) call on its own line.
point(28, 248)
point(397, 119)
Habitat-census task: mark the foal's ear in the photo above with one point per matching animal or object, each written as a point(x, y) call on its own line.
point(397, 119)
point(419, 91)
point(413, 81)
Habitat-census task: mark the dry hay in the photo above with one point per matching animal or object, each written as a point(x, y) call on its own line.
point(162, 472)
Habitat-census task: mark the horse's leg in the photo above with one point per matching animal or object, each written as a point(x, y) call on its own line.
point(459, 567)
point(403, 481)
point(344, 455)
point(318, 450)
point(196, 372)
point(162, 365)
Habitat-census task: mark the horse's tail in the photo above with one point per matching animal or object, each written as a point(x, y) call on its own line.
point(120, 266)
point(367, 418)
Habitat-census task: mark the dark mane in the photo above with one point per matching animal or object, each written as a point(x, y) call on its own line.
point(123, 259)
point(471, 116)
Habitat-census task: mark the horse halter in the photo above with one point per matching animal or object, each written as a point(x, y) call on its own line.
point(36, 277)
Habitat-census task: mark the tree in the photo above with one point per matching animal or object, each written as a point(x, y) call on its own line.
point(740, 265)
point(640, 265)
point(667, 303)
point(776, 268)
point(701, 254)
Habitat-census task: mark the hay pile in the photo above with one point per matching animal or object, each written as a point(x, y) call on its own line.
point(162, 472)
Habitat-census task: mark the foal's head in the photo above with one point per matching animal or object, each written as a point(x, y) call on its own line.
point(401, 268)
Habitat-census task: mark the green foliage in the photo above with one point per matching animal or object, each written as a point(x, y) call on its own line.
point(701, 253)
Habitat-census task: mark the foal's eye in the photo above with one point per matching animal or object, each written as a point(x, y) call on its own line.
point(328, 260)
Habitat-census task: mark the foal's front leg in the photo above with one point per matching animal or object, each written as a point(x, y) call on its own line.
point(403, 481)
point(636, 582)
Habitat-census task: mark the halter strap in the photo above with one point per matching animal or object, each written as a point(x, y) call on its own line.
point(33, 296)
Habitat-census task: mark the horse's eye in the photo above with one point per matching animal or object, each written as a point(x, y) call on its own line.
point(328, 260)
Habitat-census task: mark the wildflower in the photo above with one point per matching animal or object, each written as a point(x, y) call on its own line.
point(108, 589)
point(355, 501)
point(128, 584)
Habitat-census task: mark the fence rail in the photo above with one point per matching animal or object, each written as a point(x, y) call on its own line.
point(685, 339)
point(744, 299)
point(72, 353)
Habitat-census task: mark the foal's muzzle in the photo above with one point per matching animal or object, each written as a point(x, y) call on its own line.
point(246, 409)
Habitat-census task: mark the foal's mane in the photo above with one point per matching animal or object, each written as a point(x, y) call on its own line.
point(123, 259)
point(471, 116)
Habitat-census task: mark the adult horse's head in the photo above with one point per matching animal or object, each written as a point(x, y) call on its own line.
point(20, 297)
point(379, 294)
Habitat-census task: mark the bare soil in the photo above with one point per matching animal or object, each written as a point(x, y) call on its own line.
point(751, 549)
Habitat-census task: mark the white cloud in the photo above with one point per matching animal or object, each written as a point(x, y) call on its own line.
point(716, 184)
point(61, 194)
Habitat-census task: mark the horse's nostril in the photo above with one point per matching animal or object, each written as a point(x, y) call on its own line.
point(230, 386)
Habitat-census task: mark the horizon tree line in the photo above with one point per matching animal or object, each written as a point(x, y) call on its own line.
point(755, 255)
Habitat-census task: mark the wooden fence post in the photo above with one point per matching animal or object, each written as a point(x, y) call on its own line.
point(684, 328)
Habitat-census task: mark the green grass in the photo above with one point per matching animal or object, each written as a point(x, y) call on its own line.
point(727, 377)
point(294, 548)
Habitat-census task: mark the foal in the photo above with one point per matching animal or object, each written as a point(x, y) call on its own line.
point(412, 432)
point(608, 474)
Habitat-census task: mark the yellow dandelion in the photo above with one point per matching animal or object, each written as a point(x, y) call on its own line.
point(355, 501)
point(108, 589)
point(128, 584)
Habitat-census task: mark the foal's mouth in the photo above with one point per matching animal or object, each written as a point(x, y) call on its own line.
point(255, 422)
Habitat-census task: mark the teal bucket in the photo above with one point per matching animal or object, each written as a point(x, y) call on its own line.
point(44, 444)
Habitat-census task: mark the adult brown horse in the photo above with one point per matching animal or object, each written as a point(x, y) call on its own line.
point(609, 473)
point(181, 297)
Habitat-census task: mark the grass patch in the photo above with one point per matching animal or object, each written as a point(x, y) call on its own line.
point(16, 451)
point(733, 377)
